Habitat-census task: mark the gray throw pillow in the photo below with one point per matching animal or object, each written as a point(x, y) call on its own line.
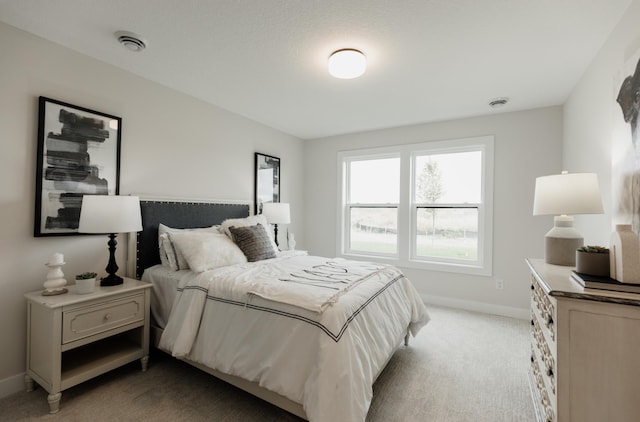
point(253, 241)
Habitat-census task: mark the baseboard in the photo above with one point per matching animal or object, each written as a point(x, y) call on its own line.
point(487, 308)
point(11, 385)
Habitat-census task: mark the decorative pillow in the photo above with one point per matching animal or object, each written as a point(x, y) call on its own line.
point(205, 251)
point(249, 221)
point(254, 242)
point(173, 255)
point(169, 251)
point(164, 260)
point(163, 256)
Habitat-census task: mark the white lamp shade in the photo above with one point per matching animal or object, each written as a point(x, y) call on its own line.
point(110, 214)
point(567, 194)
point(276, 212)
point(347, 64)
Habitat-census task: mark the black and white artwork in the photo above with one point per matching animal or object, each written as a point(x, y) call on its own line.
point(625, 152)
point(629, 101)
point(78, 154)
point(267, 180)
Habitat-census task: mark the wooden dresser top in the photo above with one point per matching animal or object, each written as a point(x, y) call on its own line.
point(556, 281)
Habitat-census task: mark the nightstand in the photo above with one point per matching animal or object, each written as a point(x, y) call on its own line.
point(72, 337)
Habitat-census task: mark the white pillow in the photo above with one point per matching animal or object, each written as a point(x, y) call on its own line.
point(206, 251)
point(168, 250)
point(164, 260)
point(247, 222)
point(175, 259)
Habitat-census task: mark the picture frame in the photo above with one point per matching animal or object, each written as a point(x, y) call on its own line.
point(267, 180)
point(78, 153)
point(625, 142)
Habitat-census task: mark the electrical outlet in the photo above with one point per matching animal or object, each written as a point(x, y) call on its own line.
point(499, 283)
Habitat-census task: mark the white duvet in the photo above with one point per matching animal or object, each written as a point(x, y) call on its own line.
point(326, 358)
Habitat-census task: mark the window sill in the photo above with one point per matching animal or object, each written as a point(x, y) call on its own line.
point(421, 265)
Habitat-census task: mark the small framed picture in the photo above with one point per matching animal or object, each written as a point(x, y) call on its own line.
point(267, 180)
point(78, 154)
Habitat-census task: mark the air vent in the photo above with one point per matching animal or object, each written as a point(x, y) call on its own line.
point(133, 42)
point(498, 102)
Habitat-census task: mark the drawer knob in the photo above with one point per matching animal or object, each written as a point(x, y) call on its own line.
point(549, 372)
point(532, 287)
point(549, 320)
point(107, 317)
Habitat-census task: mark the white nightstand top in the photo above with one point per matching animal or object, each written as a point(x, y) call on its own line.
point(128, 285)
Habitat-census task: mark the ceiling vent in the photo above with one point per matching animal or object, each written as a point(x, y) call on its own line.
point(133, 42)
point(498, 102)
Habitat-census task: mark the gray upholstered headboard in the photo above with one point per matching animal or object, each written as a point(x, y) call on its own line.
point(181, 215)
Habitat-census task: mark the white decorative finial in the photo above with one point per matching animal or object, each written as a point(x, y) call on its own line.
point(55, 277)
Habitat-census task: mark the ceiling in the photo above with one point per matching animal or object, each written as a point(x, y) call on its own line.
point(428, 60)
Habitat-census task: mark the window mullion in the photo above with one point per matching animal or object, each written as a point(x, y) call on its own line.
point(404, 208)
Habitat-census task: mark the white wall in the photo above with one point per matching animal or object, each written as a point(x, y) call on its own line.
point(527, 144)
point(593, 121)
point(172, 145)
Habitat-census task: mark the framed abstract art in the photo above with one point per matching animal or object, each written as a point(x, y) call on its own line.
point(78, 154)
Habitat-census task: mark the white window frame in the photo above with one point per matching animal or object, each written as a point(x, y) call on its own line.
point(407, 209)
point(346, 206)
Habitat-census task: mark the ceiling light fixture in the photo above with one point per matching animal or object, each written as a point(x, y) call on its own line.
point(347, 63)
point(131, 41)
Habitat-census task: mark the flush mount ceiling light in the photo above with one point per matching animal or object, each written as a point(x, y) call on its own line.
point(131, 41)
point(347, 63)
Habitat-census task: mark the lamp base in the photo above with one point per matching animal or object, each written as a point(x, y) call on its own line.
point(561, 251)
point(561, 242)
point(111, 280)
point(275, 234)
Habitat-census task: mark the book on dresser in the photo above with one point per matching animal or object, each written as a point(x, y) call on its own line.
point(604, 283)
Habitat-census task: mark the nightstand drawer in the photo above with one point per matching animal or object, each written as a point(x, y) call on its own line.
point(85, 322)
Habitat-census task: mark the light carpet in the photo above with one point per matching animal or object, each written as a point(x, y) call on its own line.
point(463, 366)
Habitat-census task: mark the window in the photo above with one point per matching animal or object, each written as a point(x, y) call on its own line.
point(373, 196)
point(426, 206)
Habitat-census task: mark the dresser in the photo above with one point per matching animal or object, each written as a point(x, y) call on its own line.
point(585, 349)
point(74, 337)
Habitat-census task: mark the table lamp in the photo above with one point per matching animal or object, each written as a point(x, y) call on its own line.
point(565, 195)
point(276, 213)
point(110, 214)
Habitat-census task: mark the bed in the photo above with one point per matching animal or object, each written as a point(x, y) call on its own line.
point(314, 348)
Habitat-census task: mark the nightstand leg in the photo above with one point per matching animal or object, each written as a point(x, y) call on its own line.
point(28, 383)
point(54, 402)
point(144, 362)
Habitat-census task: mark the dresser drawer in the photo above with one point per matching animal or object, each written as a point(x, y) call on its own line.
point(544, 309)
point(87, 321)
point(545, 356)
point(545, 401)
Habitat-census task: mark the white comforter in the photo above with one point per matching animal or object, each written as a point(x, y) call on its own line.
point(327, 360)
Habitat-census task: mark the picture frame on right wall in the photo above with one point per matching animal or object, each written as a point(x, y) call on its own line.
point(267, 180)
point(625, 143)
